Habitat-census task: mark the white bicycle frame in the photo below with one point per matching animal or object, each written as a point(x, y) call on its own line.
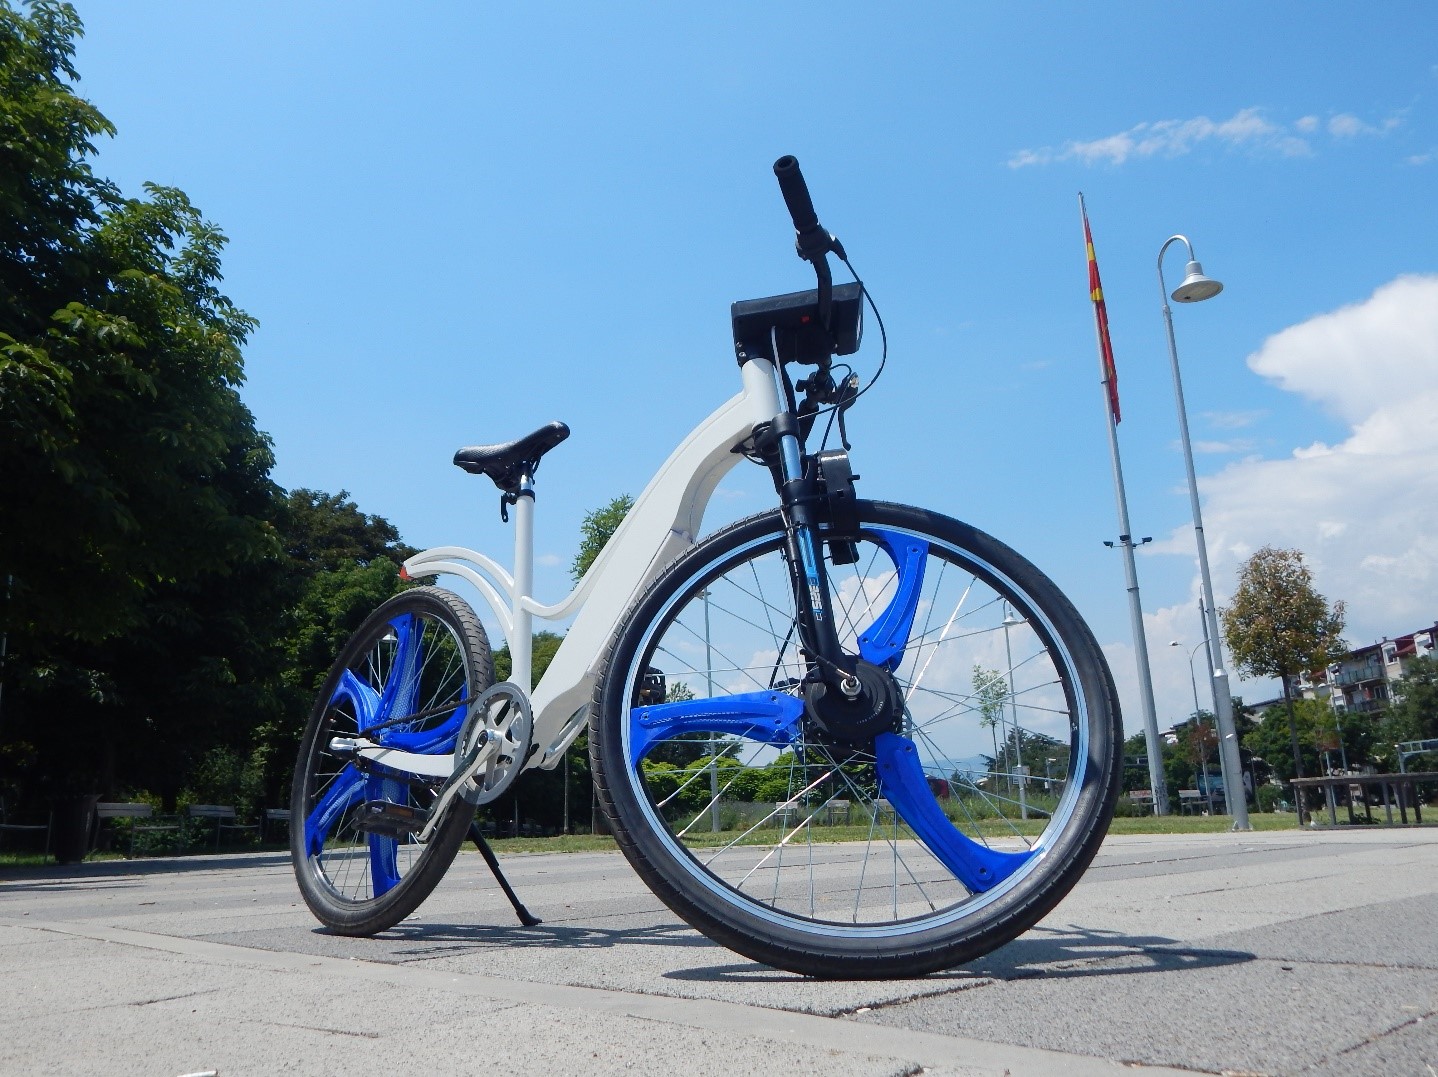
point(664, 522)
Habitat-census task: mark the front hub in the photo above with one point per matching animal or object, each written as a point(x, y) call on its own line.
point(856, 712)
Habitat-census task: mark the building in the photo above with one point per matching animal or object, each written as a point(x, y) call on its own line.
point(1361, 681)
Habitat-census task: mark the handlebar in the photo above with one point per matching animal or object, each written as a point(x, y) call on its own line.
point(810, 238)
point(811, 241)
point(796, 193)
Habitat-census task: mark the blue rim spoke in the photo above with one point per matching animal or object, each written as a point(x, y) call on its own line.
point(345, 791)
point(904, 784)
point(766, 717)
point(883, 642)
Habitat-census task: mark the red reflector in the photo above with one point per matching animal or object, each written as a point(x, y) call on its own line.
point(403, 573)
point(803, 319)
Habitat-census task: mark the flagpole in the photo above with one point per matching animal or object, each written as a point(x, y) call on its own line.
point(1108, 381)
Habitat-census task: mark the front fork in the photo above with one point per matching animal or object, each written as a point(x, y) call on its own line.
point(800, 498)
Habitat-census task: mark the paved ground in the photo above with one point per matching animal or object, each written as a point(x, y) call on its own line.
point(1279, 953)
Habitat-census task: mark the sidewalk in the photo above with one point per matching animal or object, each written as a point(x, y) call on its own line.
point(1280, 952)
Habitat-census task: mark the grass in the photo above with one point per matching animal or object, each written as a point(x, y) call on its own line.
point(1170, 824)
point(594, 843)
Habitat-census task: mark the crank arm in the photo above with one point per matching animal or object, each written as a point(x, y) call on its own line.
point(461, 782)
point(415, 763)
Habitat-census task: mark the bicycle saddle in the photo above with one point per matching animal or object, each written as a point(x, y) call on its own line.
point(506, 462)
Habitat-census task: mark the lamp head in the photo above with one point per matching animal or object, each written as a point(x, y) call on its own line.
point(1196, 287)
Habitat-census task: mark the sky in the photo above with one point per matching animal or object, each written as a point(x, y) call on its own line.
point(458, 221)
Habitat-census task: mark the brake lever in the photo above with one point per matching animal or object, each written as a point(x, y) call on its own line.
point(848, 393)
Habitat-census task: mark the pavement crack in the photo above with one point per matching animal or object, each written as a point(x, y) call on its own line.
point(884, 1004)
point(1378, 1036)
point(361, 1035)
point(173, 998)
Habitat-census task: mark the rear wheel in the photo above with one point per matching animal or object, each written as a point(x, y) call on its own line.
point(405, 680)
point(899, 853)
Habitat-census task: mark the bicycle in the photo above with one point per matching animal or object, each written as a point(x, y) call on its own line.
point(825, 653)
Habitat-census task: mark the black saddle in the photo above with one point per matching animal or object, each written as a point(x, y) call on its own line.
point(507, 462)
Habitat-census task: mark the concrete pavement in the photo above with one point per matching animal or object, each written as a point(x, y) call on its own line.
point(1284, 953)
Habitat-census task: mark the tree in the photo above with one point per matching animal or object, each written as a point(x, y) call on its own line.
point(129, 459)
point(1414, 713)
point(991, 693)
point(595, 530)
point(1198, 739)
point(1279, 626)
point(137, 532)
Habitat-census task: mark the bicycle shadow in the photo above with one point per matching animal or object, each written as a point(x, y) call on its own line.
point(426, 940)
point(1071, 952)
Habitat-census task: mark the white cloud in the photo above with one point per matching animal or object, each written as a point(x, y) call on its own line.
point(1347, 125)
point(1214, 447)
point(1247, 129)
point(1174, 679)
point(1233, 420)
point(1364, 511)
point(1364, 358)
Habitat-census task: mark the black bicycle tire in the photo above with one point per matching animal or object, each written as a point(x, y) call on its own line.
point(361, 918)
point(807, 950)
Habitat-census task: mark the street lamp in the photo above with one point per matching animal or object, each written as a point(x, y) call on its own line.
point(1193, 683)
point(713, 750)
point(1195, 288)
point(1009, 621)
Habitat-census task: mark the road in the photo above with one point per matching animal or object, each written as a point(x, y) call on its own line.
point(1272, 953)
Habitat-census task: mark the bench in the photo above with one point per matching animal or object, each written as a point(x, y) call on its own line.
point(274, 815)
point(1401, 790)
point(786, 814)
point(224, 817)
point(134, 812)
point(7, 827)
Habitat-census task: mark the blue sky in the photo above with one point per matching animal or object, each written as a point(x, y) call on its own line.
point(457, 221)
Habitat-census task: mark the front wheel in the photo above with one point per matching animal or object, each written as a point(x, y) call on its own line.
point(895, 853)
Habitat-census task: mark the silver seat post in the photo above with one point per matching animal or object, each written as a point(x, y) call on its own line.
point(521, 645)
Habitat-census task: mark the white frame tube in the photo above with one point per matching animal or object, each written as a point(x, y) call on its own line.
point(664, 522)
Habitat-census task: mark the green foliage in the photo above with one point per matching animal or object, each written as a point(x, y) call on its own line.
point(139, 540)
point(1270, 797)
point(223, 776)
point(1414, 713)
point(1278, 625)
point(1317, 728)
point(595, 530)
point(545, 644)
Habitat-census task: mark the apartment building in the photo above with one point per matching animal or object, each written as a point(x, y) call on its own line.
point(1361, 681)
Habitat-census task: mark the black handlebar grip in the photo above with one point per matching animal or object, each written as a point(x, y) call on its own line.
point(796, 193)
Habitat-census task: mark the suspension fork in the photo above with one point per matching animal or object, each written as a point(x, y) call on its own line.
point(798, 488)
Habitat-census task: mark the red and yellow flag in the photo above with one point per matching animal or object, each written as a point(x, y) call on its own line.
point(1100, 313)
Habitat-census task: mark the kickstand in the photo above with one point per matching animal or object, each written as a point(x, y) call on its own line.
point(527, 918)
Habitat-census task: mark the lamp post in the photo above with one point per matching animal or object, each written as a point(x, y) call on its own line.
point(713, 757)
point(1193, 683)
point(1194, 289)
point(1010, 620)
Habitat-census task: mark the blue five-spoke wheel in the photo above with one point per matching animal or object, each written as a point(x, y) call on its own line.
point(911, 850)
point(404, 681)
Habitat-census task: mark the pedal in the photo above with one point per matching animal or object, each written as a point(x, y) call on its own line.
point(391, 820)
